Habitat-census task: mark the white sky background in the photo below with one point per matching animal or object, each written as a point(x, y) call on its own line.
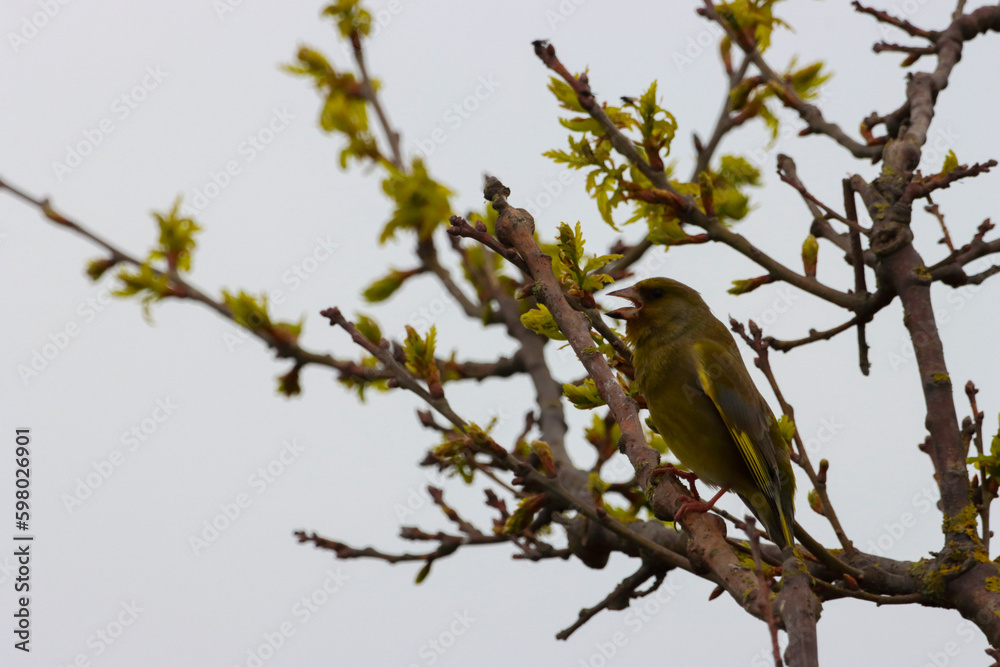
point(128, 543)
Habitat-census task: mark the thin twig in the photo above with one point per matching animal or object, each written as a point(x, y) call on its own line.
point(807, 112)
point(786, 345)
point(860, 286)
point(617, 599)
point(934, 210)
point(427, 253)
point(985, 492)
point(684, 206)
point(756, 343)
point(183, 289)
point(765, 602)
point(788, 173)
point(902, 24)
point(368, 90)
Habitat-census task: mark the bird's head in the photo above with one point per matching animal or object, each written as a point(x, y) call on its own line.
point(658, 304)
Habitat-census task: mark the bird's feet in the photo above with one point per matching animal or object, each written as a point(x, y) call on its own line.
point(689, 477)
point(692, 505)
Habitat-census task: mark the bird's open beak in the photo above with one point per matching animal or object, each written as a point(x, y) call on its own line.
point(627, 312)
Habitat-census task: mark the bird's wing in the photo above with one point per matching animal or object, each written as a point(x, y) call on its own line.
point(726, 381)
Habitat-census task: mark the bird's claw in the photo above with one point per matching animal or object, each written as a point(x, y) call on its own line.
point(691, 505)
point(689, 477)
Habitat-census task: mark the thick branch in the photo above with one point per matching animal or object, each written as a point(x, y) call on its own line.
point(889, 201)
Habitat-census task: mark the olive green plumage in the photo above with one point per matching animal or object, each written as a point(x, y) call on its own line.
point(703, 402)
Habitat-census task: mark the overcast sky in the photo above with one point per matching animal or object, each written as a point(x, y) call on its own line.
point(144, 435)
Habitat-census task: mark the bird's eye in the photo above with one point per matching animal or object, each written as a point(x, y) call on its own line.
point(656, 293)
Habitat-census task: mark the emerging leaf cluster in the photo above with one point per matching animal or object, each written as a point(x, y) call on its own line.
point(728, 197)
point(989, 464)
point(352, 19)
point(606, 180)
point(751, 98)
point(252, 313)
point(540, 321)
point(153, 285)
point(458, 450)
point(583, 396)
point(386, 286)
point(578, 273)
point(651, 129)
point(344, 107)
point(753, 20)
point(176, 238)
point(176, 246)
point(420, 354)
point(421, 202)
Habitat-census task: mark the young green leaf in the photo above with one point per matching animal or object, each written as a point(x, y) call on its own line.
point(585, 396)
point(540, 321)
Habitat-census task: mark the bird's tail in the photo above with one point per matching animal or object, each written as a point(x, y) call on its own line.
point(777, 516)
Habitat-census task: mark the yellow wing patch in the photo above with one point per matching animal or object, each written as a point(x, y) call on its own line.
point(751, 455)
point(741, 437)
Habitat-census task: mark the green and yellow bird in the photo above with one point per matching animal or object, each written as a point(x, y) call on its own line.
point(703, 402)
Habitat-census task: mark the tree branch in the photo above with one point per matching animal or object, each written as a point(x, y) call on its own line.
point(889, 201)
point(684, 205)
point(617, 599)
point(756, 343)
point(807, 112)
point(707, 548)
point(368, 90)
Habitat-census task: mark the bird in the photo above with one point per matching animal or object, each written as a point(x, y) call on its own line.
point(704, 404)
